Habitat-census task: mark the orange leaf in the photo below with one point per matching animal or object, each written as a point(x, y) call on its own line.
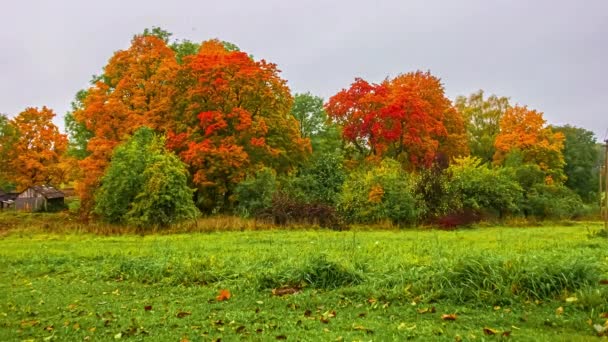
point(224, 295)
point(450, 317)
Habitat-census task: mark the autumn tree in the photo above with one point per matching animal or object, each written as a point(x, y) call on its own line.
point(135, 90)
point(524, 131)
point(37, 149)
point(403, 118)
point(231, 119)
point(482, 118)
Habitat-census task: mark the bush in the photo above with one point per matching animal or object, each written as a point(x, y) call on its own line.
point(145, 184)
point(285, 210)
point(553, 201)
point(319, 182)
point(255, 193)
point(479, 188)
point(380, 193)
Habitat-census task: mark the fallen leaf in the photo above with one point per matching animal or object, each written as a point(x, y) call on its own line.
point(559, 311)
point(307, 313)
point(450, 317)
point(361, 315)
point(240, 329)
point(49, 328)
point(281, 337)
point(571, 299)
point(489, 331)
point(224, 295)
point(148, 307)
point(283, 291)
point(506, 333)
point(118, 336)
point(496, 308)
point(219, 322)
point(184, 340)
point(604, 281)
point(372, 301)
point(599, 329)
point(426, 310)
point(604, 315)
point(183, 314)
point(362, 328)
point(259, 330)
point(404, 326)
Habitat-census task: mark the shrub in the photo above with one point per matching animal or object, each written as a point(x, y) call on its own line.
point(381, 192)
point(255, 193)
point(553, 201)
point(285, 210)
point(480, 188)
point(145, 184)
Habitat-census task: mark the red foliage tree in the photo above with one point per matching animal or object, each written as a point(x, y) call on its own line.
point(405, 118)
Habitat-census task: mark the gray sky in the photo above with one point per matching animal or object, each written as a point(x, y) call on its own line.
point(549, 55)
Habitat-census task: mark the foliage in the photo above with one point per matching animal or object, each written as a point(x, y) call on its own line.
point(382, 192)
point(232, 119)
point(482, 118)
point(320, 181)
point(553, 201)
point(36, 147)
point(135, 90)
point(581, 161)
point(255, 193)
point(401, 118)
point(309, 112)
point(479, 188)
point(145, 184)
point(432, 187)
point(8, 137)
point(524, 130)
point(286, 210)
point(78, 133)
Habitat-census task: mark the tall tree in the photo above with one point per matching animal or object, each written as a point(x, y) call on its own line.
point(135, 90)
point(403, 118)
point(37, 150)
point(524, 131)
point(314, 123)
point(581, 161)
point(231, 119)
point(8, 137)
point(482, 117)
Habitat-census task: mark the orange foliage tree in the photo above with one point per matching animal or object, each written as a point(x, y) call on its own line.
point(37, 150)
point(524, 130)
point(135, 90)
point(406, 118)
point(232, 117)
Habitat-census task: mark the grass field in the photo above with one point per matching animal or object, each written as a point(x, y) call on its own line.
point(528, 284)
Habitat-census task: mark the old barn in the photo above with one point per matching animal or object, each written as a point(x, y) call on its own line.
point(40, 197)
point(7, 200)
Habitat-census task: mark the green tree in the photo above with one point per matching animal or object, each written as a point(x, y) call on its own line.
point(483, 121)
point(184, 48)
point(78, 133)
point(581, 161)
point(145, 184)
point(256, 192)
point(325, 137)
point(8, 137)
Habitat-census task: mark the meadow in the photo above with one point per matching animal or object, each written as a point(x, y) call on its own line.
point(484, 283)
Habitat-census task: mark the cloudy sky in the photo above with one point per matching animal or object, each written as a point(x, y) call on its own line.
point(549, 55)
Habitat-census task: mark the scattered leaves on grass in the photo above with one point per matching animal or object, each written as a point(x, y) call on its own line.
point(426, 310)
point(148, 307)
point(449, 317)
point(362, 328)
point(224, 295)
point(489, 331)
point(284, 291)
point(183, 314)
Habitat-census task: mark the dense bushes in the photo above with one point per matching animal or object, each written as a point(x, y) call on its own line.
point(377, 193)
point(145, 184)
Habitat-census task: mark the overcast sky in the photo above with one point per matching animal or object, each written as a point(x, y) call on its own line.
point(549, 55)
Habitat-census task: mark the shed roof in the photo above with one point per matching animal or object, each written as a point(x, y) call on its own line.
point(48, 191)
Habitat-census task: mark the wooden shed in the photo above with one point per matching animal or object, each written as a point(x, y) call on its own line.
point(7, 200)
point(40, 197)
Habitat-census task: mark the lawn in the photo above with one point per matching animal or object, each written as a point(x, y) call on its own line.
point(538, 283)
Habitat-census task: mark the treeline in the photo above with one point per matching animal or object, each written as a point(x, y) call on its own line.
point(174, 129)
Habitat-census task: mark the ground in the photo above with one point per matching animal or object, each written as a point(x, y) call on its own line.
point(522, 284)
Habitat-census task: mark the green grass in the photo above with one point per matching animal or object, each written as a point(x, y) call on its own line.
point(381, 285)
